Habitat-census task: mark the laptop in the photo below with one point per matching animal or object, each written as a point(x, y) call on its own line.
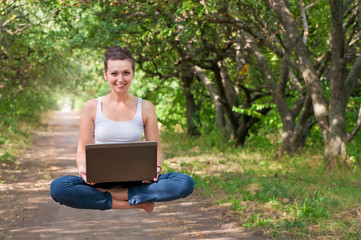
point(121, 162)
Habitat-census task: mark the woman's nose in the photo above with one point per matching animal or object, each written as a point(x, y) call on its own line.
point(120, 77)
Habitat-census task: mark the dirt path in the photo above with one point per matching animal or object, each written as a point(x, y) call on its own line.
point(28, 212)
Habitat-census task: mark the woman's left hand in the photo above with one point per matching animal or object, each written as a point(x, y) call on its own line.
point(159, 171)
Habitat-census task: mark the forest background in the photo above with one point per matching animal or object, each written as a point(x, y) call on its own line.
point(260, 100)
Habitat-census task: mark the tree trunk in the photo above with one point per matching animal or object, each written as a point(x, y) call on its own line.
point(219, 111)
point(335, 151)
point(228, 86)
point(192, 111)
point(241, 133)
point(224, 100)
point(303, 126)
point(335, 145)
point(231, 93)
point(246, 122)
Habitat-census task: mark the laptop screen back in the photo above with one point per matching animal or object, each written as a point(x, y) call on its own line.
point(121, 162)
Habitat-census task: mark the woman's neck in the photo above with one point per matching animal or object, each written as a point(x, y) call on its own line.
point(119, 97)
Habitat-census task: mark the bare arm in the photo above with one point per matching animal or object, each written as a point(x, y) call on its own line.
point(151, 130)
point(86, 134)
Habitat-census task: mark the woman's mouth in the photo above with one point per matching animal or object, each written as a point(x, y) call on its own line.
point(120, 85)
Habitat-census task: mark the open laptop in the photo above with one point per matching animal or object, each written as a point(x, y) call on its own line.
point(121, 162)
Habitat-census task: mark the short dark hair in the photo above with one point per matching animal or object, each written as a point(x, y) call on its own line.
point(118, 53)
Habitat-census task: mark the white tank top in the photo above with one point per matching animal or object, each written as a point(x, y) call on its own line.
point(110, 131)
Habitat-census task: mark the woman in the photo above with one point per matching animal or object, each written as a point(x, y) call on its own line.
point(118, 117)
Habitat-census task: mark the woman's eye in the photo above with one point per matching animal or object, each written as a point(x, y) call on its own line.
point(114, 74)
point(126, 73)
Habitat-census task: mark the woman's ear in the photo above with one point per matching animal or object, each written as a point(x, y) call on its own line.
point(105, 74)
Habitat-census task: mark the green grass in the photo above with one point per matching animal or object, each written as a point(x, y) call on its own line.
point(13, 140)
point(292, 197)
point(7, 158)
point(13, 144)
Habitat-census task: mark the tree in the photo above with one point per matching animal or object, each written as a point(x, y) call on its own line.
point(303, 83)
point(330, 115)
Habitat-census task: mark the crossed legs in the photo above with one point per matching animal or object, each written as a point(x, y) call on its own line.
point(74, 192)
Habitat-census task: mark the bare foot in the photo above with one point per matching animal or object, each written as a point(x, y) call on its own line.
point(147, 206)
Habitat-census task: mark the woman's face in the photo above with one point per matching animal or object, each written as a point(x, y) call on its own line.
point(119, 74)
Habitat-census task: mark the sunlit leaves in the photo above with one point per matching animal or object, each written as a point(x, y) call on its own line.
point(254, 109)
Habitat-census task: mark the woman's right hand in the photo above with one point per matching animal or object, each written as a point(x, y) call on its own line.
point(82, 174)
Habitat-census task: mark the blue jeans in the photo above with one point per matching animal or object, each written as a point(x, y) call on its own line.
point(74, 192)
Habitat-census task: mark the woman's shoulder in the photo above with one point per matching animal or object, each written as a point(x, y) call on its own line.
point(147, 105)
point(90, 104)
point(148, 111)
point(90, 107)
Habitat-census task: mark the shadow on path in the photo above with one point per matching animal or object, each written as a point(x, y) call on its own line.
point(28, 212)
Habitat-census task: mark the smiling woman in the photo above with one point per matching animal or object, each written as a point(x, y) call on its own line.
point(119, 68)
point(119, 117)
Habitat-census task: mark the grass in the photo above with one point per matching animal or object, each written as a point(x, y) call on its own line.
point(12, 143)
point(13, 140)
point(293, 197)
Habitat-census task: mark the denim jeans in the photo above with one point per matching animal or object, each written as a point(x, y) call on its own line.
point(74, 192)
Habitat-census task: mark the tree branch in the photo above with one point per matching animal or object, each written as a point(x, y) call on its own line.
point(294, 81)
point(352, 18)
point(285, 68)
point(322, 63)
point(19, 30)
point(351, 135)
point(351, 80)
point(4, 9)
point(304, 21)
point(207, 83)
point(156, 73)
point(355, 39)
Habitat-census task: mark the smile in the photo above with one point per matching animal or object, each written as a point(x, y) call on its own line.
point(120, 85)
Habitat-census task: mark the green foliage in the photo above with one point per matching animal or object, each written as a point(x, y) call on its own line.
point(7, 158)
point(166, 96)
point(253, 110)
point(353, 148)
